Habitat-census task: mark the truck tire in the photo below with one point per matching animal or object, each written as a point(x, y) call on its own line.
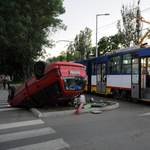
point(39, 69)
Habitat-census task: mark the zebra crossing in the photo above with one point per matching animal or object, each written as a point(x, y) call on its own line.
point(3, 99)
point(33, 130)
point(54, 144)
point(49, 145)
point(4, 106)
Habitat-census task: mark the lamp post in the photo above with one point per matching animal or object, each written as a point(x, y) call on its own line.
point(96, 29)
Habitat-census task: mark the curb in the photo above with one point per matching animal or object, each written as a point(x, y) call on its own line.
point(69, 112)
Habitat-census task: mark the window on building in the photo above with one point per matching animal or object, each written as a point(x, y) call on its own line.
point(94, 67)
point(126, 62)
point(114, 65)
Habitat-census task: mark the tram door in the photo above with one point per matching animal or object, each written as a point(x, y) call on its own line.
point(145, 77)
point(148, 72)
point(135, 78)
point(101, 77)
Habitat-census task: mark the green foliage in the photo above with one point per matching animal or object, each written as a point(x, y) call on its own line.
point(62, 57)
point(24, 28)
point(107, 44)
point(79, 43)
point(130, 32)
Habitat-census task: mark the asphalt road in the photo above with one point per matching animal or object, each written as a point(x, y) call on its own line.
point(126, 128)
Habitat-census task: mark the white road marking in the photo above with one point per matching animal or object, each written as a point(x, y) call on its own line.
point(20, 124)
point(49, 145)
point(6, 108)
point(25, 134)
point(146, 114)
point(2, 103)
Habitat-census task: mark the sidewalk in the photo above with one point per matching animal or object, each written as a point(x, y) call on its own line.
point(70, 112)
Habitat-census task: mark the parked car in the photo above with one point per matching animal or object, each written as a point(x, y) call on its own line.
point(51, 84)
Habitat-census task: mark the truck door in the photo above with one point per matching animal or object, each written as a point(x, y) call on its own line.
point(135, 78)
point(101, 77)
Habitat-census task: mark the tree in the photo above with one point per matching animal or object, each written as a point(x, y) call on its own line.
point(107, 44)
point(93, 50)
point(130, 32)
point(103, 46)
point(80, 42)
point(24, 28)
point(70, 52)
point(61, 57)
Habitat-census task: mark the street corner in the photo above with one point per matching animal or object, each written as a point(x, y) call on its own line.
point(94, 108)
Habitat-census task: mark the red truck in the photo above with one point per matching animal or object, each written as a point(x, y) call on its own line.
point(51, 84)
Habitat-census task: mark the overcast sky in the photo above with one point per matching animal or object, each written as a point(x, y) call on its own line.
point(82, 13)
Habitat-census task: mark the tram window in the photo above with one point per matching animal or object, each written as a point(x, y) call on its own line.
point(114, 65)
point(126, 62)
point(94, 67)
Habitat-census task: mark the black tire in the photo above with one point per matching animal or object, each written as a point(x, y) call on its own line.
point(11, 92)
point(39, 69)
point(115, 95)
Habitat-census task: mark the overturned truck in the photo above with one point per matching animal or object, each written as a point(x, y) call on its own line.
point(52, 84)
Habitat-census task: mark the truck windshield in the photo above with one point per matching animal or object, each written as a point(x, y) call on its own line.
point(74, 83)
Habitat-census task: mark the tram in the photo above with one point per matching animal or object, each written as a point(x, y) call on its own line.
point(122, 73)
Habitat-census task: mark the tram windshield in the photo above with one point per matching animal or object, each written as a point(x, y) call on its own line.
point(74, 83)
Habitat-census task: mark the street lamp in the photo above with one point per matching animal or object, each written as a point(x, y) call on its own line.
point(96, 29)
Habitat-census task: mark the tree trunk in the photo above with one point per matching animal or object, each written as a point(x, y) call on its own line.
point(24, 74)
point(28, 70)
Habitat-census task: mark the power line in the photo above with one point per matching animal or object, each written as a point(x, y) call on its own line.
point(108, 26)
point(145, 10)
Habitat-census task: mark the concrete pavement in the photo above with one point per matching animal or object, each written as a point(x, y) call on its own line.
point(114, 105)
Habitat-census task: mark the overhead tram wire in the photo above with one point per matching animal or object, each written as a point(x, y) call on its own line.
point(143, 11)
point(105, 26)
point(62, 47)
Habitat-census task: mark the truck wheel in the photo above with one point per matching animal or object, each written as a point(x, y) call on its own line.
point(11, 91)
point(39, 69)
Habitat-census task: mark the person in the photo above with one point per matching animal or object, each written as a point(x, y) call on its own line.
point(8, 81)
point(4, 82)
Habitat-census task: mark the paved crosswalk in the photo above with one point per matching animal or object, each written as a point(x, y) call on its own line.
point(49, 145)
point(4, 106)
point(31, 130)
point(25, 134)
point(54, 144)
point(3, 99)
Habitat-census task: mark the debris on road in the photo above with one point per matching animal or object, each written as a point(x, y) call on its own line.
point(80, 107)
point(98, 104)
point(96, 112)
point(87, 106)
